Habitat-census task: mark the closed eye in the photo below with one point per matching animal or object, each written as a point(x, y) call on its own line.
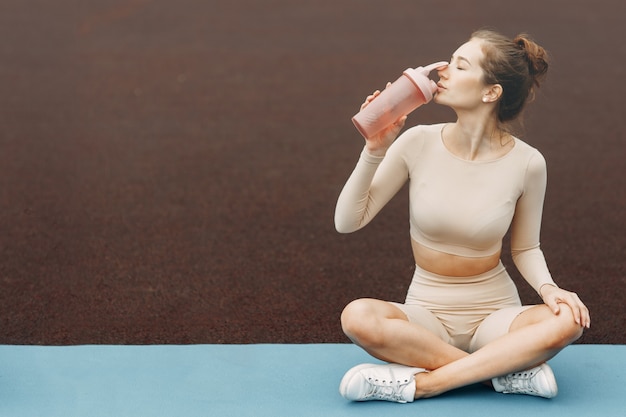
point(460, 60)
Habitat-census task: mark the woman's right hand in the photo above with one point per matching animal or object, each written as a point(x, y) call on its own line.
point(378, 144)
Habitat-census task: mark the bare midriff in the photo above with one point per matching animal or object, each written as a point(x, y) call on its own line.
point(452, 265)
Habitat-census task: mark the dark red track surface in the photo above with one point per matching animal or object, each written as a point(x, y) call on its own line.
point(169, 169)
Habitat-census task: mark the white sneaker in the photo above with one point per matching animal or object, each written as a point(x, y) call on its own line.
point(538, 381)
point(379, 382)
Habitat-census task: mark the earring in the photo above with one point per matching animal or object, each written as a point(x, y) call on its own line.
point(484, 99)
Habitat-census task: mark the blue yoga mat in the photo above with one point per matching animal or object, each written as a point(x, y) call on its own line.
point(269, 380)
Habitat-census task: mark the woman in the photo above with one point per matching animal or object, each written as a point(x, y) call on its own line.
point(470, 181)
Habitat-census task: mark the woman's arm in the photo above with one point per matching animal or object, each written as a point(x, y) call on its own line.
point(374, 181)
point(370, 187)
point(526, 226)
point(525, 249)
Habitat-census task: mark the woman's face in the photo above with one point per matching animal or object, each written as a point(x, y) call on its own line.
point(461, 84)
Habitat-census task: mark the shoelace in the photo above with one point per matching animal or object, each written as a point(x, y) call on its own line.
point(387, 390)
point(519, 382)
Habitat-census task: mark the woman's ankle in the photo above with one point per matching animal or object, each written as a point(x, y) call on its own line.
point(424, 386)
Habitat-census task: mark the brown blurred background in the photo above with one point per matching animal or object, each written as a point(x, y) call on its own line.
point(169, 169)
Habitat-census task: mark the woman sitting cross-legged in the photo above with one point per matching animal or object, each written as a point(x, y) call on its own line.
point(470, 181)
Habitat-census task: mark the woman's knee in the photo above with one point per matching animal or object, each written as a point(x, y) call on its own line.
point(353, 317)
point(565, 330)
point(557, 330)
point(572, 330)
point(359, 320)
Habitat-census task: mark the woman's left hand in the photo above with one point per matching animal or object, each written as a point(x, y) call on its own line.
point(553, 296)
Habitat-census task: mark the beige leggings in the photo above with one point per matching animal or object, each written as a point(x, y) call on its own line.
point(466, 312)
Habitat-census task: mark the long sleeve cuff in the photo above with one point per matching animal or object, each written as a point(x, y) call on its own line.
point(531, 263)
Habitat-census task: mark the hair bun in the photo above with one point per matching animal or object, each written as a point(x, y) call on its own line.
point(537, 57)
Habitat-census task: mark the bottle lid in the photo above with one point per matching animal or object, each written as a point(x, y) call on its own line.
point(419, 76)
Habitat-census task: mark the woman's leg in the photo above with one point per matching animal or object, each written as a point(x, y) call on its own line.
point(535, 336)
point(384, 331)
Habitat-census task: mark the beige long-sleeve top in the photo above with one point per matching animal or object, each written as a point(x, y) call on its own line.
point(457, 206)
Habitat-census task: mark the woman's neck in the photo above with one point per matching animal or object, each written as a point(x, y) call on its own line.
point(477, 140)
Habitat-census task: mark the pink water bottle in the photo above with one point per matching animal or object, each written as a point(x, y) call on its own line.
point(407, 93)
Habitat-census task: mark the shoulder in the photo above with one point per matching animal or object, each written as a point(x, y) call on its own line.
point(425, 131)
point(531, 155)
point(533, 162)
point(415, 137)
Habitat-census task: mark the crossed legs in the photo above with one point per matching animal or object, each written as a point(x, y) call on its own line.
point(383, 330)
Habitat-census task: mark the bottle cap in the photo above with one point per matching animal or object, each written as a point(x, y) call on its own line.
point(419, 76)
